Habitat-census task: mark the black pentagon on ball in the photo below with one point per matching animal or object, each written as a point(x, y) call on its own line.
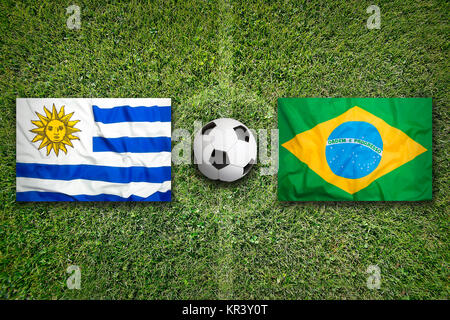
point(219, 159)
point(242, 133)
point(207, 128)
point(248, 166)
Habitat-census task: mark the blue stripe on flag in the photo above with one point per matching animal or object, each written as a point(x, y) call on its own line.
point(91, 172)
point(127, 144)
point(132, 114)
point(55, 196)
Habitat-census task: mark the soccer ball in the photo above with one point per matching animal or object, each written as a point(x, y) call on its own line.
point(225, 150)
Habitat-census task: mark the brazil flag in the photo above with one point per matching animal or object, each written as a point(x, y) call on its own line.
point(363, 149)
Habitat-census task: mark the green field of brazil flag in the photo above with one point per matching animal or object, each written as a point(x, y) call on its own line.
point(355, 149)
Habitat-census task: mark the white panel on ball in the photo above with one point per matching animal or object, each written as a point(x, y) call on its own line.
point(231, 173)
point(209, 171)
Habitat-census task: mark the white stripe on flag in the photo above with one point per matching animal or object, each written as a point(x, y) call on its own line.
point(133, 102)
point(133, 129)
point(89, 187)
point(111, 159)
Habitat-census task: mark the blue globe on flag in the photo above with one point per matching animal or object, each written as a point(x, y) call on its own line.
point(354, 149)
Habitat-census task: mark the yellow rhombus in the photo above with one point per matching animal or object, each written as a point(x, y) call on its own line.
point(309, 146)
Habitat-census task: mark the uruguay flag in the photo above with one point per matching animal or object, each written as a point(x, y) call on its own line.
point(93, 149)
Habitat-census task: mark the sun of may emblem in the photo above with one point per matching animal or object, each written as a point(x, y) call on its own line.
point(55, 130)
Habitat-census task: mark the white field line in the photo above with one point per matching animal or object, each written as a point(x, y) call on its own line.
point(225, 225)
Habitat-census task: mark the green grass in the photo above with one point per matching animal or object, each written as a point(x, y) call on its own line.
point(214, 59)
